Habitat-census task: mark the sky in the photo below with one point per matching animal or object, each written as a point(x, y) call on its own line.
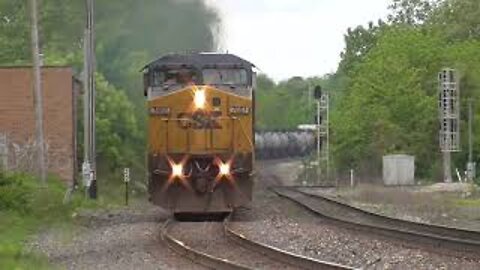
point(286, 38)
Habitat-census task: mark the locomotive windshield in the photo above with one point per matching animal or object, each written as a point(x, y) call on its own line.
point(173, 76)
point(225, 76)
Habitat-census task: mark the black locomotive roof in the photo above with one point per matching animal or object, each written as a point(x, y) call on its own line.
point(199, 60)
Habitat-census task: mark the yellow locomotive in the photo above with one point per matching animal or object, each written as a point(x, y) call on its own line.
point(201, 137)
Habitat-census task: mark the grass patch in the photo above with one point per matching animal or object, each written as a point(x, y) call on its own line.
point(467, 202)
point(26, 206)
point(14, 229)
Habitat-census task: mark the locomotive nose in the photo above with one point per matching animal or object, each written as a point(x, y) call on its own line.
point(201, 184)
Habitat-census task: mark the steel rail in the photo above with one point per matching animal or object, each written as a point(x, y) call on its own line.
point(452, 232)
point(434, 235)
point(196, 256)
point(294, 260)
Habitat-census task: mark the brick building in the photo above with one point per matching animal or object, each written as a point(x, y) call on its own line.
point(17, 119)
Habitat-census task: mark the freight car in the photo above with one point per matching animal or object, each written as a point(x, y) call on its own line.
point(284, 144)
point(200, 138)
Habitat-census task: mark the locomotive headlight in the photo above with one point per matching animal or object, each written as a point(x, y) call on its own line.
point(177, 170)
point(199, 98)
point(224, 169)
point(177, 174)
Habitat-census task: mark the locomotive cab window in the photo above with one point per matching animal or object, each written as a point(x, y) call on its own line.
point(158, 77)
point(231, 76)
point(173, 77)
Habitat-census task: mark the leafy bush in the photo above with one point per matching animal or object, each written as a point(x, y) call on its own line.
point(23, 194)
point(16, 192)
point(24, 206)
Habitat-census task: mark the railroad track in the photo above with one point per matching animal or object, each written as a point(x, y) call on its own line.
point(439, 238)
point(194, 255)
point(290, 260)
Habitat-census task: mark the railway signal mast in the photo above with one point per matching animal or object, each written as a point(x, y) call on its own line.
point(89, 162)
point(322, 124)
point(449, 115)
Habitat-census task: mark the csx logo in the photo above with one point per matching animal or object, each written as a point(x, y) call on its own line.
point(198, 120)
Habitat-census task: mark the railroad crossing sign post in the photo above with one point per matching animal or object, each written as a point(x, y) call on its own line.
point(126, 180)
point(449, 115)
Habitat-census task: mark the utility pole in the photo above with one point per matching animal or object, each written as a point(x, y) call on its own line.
point(89, 162)
point(309, 102)
point(37, 93)
point(319, 141)
point(470, 156)
point(327, 135)
point(471, 165)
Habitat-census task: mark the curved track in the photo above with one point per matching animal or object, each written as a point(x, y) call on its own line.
point(340, 213)
point(291, 261)
point(196, 255)
point(295, 260)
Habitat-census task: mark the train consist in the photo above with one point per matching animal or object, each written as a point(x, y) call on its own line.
point(201, 138)
point(283, 144)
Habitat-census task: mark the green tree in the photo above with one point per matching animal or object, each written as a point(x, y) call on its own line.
point(411, 12)
point(287, 104)
point(458, 20)
point(358, 42)
point(14, 34)
point(117, 127)
point(391, 102)
point(60, 29)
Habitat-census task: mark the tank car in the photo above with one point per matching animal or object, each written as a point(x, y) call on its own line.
point(200, 132)
point(259, 146)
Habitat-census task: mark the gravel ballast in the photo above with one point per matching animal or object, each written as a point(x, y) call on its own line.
point(280, 223)
point(209, 238)
point(129, 238)
point(120, 239)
